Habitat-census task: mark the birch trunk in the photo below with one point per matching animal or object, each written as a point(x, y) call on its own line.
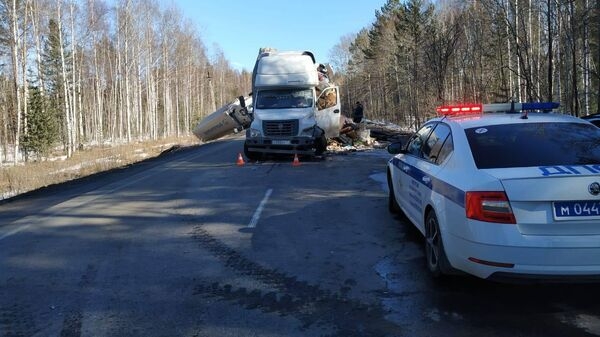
point(509, 49)
point(65, 83)
point(24, 81)
point(15, 48)
point(550, 51)
point(586, 59)
point(77, 116)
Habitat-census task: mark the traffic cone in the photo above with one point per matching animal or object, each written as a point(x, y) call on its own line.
point(240, 160)
point(296, 162)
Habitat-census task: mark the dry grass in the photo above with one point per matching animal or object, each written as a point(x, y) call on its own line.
point(33, 175)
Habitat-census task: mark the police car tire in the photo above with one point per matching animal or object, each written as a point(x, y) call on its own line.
point(392, 203)
point(437, 261)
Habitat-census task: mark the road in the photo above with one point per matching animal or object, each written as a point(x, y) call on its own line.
point(190, 244)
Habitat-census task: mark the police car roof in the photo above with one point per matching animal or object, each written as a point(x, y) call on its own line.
point(499, 118)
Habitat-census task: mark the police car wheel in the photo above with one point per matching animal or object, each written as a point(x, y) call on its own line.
point(392, 203)
point(437, 262)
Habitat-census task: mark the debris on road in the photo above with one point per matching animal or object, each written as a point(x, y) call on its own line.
point(366, 135)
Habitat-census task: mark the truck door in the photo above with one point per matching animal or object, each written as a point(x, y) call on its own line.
point(328, 111)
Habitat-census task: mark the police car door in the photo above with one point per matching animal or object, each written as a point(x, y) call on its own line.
point(328, 111)
point(421, 168)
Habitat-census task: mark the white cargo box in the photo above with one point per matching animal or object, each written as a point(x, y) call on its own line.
point(287, 69)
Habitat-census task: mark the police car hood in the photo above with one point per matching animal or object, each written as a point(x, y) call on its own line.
point(548, 183)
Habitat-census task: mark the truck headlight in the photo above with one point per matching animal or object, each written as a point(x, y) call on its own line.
point(308, 132)
point(255, 133)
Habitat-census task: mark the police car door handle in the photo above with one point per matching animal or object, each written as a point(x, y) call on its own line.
point(426, 180)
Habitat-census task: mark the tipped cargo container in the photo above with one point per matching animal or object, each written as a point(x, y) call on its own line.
point(230, 118)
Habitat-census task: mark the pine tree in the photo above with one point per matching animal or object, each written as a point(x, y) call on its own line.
point(42, 125)
point(53, 76)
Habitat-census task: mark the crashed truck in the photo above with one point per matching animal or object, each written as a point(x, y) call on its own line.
point(293, 108)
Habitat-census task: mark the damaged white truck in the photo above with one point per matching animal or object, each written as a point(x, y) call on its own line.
point(294, 107)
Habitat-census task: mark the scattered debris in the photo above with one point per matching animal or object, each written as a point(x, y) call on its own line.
point(366, 135)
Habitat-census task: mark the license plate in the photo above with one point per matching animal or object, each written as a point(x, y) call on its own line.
point(576, 210)
point(280, 142)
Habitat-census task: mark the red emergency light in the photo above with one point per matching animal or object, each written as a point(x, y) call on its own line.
point(456, 110)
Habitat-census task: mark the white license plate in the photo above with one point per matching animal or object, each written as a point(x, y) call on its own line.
point(280, 142)
point(576, 210)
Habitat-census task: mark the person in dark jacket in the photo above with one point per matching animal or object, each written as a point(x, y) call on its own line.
point(357, 114)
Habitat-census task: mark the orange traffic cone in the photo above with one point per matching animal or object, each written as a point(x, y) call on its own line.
point(240, 160)
point(296, 162)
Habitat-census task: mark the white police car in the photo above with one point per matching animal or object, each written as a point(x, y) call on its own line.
point(503, 194)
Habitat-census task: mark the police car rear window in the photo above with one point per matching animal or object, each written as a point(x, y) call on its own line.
point(534, 144)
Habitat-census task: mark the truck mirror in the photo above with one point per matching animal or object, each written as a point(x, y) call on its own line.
point(242, 101)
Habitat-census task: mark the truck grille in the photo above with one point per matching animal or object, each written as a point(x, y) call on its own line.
point(280, 128)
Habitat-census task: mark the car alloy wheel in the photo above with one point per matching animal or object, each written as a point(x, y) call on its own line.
point(434, 248)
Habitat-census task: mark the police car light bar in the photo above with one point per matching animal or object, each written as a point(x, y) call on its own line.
point(518, 107)
point(470, 109)
point(455, 110)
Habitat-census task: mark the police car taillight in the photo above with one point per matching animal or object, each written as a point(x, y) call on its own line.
point(489, 206)
point(453, 110)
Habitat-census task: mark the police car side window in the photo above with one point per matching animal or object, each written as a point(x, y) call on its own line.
point(433, 145)
point(416, 141)
point(446, 150)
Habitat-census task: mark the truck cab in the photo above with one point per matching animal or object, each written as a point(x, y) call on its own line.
point(294, 112)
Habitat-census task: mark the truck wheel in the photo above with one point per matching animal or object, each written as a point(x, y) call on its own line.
point(320, 145)
point(249, 154)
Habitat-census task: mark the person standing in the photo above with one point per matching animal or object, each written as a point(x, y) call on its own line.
point(357, 114)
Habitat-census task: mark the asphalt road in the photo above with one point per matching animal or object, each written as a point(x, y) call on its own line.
point(190, 244)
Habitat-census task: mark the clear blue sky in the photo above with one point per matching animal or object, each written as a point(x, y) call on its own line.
point(241, 27)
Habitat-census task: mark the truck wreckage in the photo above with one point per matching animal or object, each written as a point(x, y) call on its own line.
point(293, 109)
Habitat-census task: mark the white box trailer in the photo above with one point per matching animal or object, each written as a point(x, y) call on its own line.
point(294, 112)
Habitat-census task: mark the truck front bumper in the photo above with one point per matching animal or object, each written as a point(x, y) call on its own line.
point(299, 145)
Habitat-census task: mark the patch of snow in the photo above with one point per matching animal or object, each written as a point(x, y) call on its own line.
point(62, 158)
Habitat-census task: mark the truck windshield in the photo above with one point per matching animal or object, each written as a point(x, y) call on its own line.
point(284, 99)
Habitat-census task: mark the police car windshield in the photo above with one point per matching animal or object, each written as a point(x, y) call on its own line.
point(534, 144)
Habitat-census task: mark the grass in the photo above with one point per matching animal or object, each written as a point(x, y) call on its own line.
point(32, 175)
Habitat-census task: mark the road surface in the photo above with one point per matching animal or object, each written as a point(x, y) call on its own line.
point(191, 244)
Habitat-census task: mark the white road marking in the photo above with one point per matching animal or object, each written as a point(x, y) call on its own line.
point(259, 209)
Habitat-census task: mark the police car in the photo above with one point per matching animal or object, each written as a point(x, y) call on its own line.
point(502, 191)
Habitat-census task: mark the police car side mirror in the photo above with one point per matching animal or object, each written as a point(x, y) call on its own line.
point(395, 148)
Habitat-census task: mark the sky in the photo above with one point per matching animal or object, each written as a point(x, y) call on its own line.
point(241, 27)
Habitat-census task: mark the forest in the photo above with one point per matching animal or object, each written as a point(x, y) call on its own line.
point(82, 73)
point(419, 54)
point(79, 73)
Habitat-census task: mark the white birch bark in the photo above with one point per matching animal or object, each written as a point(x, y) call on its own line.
point(65, 82)
point(15, 48)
